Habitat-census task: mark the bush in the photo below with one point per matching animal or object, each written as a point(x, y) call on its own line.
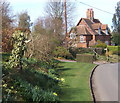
point(85, 58)
point(5, 56)
point(100, 44)
point(75, 51)
point(100, 51)
point(62, 52)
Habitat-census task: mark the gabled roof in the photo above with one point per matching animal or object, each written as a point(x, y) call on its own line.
point(92, 25)
point(96, 26)
point(82, 30)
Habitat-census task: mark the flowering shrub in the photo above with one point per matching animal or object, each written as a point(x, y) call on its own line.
point(18, 51)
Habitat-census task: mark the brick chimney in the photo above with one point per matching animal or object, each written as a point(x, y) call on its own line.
point(90, 14)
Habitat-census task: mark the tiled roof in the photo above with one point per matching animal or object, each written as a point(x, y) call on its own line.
point(82, 30)
point(96, 21)
point(91, 27)
point(89, 24)
point(95, 26)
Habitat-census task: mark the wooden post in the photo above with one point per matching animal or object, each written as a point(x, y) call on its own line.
point(65, 16)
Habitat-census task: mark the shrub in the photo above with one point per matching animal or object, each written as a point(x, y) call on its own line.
point(15, 60)
point(62, 52)
point(75, 51)
point(100, 51)
point(100, 44)
point(85, 58)
point(5, 56)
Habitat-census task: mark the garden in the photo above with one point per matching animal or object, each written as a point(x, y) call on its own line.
point(28, 79)
point(32, 79)
point(31, 71)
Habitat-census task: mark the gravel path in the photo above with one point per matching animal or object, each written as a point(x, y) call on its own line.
point(105, 82)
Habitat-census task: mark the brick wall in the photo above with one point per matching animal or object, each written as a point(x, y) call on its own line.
point(84, 45)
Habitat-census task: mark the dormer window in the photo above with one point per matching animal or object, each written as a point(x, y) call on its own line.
point(99, 31)
point(72, 36)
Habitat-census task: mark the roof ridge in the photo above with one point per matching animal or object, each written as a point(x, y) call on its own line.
point(91, 30)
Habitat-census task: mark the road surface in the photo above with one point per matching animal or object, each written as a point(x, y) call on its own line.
point(105, 82)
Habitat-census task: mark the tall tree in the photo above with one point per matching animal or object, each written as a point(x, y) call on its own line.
point(116, 18)
point(116, 25)
point(61, 9)
point(7, 27)
point(24, 20)
point(54, 11)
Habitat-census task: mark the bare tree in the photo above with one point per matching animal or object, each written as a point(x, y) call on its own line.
point(42, 47)
point(61, 9)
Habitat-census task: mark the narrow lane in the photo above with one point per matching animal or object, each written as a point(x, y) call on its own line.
point(105, 82)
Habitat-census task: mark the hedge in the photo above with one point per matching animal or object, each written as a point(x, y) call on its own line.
point(86, 58)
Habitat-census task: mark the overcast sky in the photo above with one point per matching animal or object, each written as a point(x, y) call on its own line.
point(36, 8)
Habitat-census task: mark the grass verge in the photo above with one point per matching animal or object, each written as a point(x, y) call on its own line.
point(76, 86)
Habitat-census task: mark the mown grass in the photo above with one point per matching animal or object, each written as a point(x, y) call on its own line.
point(76, 86)
point(114, 48)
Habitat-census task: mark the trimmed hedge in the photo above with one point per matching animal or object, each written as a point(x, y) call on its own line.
point(88, 51)
point(85, 58)
point(81, 50)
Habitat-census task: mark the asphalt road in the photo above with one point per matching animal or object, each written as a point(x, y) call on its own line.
point(105, 82)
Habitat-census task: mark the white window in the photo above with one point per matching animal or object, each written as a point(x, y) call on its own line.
point(81, 38)
point(72, 36)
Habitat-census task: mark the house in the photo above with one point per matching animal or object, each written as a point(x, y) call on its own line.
point(88, 31)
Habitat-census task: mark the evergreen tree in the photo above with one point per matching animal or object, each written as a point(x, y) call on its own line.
point(116, 25)
point(24, 20)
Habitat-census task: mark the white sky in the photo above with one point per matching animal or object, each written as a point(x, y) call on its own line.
point(36, 8)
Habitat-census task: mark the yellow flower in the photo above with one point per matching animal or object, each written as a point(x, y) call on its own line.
point(15, 91)
point(8, 90)
point(5, 85)
point(12, 87)
point(62, 79)
point(56, 78)
point(55, 94)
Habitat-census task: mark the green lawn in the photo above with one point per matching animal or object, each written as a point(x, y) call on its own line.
point(76, 86)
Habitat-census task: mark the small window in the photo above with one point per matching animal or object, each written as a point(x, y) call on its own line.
point(81, 38)
point(99, 31)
